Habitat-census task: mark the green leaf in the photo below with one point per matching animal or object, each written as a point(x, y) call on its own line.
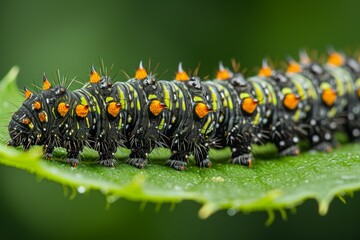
point(273, 184)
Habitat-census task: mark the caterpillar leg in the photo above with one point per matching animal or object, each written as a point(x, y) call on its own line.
point(73, 158)
point(48, 152)
point(204, 163)
point(240, 140)
point(177, 161)
point(107, 160)
point(73, 150)
point(137, 159)
point(202, 158)
point(239, 157)
point(107, 155)
point(13, 143)
point(323, 147)
point(285, 139)
point(287, 147)
point(321, 136)
point(290, 151)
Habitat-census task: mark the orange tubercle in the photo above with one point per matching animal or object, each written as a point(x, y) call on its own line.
point(156, 107)
point(329, 97)
point(26, 121)
point(181, 75)
point(293, 67)
point(113, 109)
point(37, 105)
point(27, 93)
point(81, 110)
point(141, 72)
point(201, 110)
point(63, 108)
point(291, 101)
point(46, 83)
point(94, 76)
point(249, 105)
point(42, 116)
point(358, 92)
point(265, 70)
point(223, 73)
point(336, 59)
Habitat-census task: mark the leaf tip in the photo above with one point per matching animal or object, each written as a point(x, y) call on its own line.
point(207, 209)
point(323, 207)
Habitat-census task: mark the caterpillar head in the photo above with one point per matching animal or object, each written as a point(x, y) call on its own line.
point(30, 122)
point(24, 127)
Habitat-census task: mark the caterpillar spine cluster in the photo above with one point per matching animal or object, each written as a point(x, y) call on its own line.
point(190, 116)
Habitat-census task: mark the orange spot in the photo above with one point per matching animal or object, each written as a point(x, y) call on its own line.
point(223, 74)
point(291, 101)
point(27, 93)
point(113, 108)
point(94, 76)
point(328, 96)
point(63, 108)
point(336, 59)
point(26, 121)
point(265, 70)
point(141, 72)
point(201, 110)
point(358, 92)
point(156, 107)
point(37, 105)
point(82, 110)
point(181, 75)
point(42, 116)
point(249, 105)
point(46, 84)
point(293, 67)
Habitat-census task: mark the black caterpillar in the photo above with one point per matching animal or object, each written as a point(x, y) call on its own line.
point(190, 116)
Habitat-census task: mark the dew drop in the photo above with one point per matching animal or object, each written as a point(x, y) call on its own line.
point(231, 212)
point(81, 189)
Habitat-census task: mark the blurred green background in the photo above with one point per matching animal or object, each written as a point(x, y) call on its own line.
point(43, 36)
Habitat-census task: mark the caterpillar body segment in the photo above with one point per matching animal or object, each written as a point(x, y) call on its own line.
point(189, 116)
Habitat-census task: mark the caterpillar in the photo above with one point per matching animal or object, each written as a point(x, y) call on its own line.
point(189, 116)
